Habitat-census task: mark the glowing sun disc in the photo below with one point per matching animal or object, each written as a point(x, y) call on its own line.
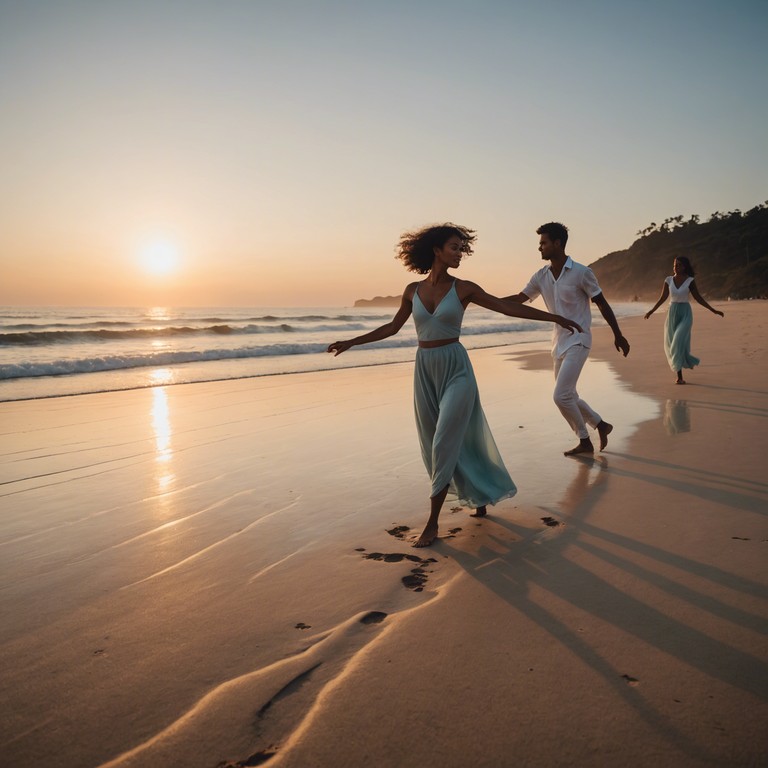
point(159, 257)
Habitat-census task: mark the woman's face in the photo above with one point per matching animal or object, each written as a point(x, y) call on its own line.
point(678, 268)
point(450, 254)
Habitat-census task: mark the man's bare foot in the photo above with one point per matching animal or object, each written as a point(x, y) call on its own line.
point(680, 381)
point(428, 535)
point(604, 429)
point(584, 446)
point(479, 512)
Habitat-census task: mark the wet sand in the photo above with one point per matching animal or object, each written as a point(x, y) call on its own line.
point(221, 574)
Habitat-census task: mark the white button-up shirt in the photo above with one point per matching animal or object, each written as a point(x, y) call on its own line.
point(570, 296)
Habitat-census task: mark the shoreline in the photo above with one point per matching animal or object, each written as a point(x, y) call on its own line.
point(112, 367)
point(221, 570)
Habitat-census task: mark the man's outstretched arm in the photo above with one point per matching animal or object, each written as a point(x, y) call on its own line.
point(605, 310)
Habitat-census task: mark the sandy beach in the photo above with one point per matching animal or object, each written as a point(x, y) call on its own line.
point(221, 574)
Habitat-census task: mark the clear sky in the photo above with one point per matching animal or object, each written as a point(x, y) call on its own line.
point(272, 151)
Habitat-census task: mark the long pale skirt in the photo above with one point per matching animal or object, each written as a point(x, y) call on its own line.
point(457, 446)
point(677, 337)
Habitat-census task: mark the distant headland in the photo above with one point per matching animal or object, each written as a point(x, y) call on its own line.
point(379, 301)
point(729, 252)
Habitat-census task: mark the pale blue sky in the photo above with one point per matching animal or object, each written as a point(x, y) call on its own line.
point(283, 146)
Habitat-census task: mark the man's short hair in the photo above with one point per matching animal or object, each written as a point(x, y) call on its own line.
point(554, 230)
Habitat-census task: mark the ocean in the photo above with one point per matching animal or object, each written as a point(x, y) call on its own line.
point(58, 351)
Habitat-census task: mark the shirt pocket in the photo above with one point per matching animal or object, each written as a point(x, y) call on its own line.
point(570, 294)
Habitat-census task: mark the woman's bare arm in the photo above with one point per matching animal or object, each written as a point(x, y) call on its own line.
point(471, 292)
point(696, 295)
point(383, 331)
point(662, 299)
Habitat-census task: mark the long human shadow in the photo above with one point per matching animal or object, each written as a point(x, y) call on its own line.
point(739, 410)
point(728, 389)
point(512, 575)
point(727, 498)
point(705, 474)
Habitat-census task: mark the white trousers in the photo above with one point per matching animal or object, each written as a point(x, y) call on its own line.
point(575, 411)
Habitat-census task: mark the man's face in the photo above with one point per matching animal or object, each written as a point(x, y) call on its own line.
point(547, 248)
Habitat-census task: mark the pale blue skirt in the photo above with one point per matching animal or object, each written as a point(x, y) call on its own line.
point(456, 442)
point(677, 337)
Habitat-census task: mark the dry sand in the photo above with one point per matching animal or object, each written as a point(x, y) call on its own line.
point(211, 574)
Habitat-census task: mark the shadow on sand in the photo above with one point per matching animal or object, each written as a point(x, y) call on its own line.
point(525, 569)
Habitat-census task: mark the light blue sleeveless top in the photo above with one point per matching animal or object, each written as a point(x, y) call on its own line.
point(444, 322)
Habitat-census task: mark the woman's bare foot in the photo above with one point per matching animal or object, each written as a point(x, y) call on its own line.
point(584, 446)
point(428, 535)
point(479, 512)
point(604, 429)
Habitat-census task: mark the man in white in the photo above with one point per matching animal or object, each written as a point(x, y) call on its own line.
point(567, 289)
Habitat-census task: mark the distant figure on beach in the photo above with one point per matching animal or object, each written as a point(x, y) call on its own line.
point(568, 287)
point(456, 443)
point(677, 328)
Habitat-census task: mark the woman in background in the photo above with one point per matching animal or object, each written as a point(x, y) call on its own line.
point(677, 329)
point(456, 443)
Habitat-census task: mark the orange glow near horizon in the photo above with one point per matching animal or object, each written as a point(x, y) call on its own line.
point(149, 160)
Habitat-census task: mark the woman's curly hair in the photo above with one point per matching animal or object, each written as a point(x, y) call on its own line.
point(416, 249)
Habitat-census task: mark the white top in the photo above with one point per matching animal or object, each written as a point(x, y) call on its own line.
point(570, 296)
point(681, 295)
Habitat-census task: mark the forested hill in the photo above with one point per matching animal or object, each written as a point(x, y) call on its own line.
point(729, 253)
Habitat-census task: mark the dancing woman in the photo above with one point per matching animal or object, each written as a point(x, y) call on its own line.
point(677, 329)
point(456, 443)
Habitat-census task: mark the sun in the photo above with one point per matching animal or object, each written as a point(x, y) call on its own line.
point(159, 257)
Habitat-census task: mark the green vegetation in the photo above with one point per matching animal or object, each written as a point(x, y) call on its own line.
point(729, 253)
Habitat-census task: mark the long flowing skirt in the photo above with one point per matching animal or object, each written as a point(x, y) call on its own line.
point(457, 446)
point(677, 337)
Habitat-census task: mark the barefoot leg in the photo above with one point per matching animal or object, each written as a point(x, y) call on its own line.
point(584, 446)
point(604, 429)
point(429, 534)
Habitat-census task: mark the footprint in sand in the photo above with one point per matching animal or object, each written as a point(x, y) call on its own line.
point(417, 577)
point(399, 531)
point(257, 758)
point(416, 580)
point(551, 522)
point(392, 557)
point(373, 617)
point(633, 681)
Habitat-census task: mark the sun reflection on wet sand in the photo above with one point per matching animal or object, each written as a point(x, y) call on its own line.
point(161, 425)
point(160, 376)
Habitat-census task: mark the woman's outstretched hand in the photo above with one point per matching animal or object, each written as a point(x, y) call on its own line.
point(718, 312)
point(647, 315)
point(569, 324)
point(338, 347)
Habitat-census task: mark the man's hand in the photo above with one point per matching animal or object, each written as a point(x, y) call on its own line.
point(622, 345)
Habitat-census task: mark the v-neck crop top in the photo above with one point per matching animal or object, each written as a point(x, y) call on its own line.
point(444, 322)
point(682, 294)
